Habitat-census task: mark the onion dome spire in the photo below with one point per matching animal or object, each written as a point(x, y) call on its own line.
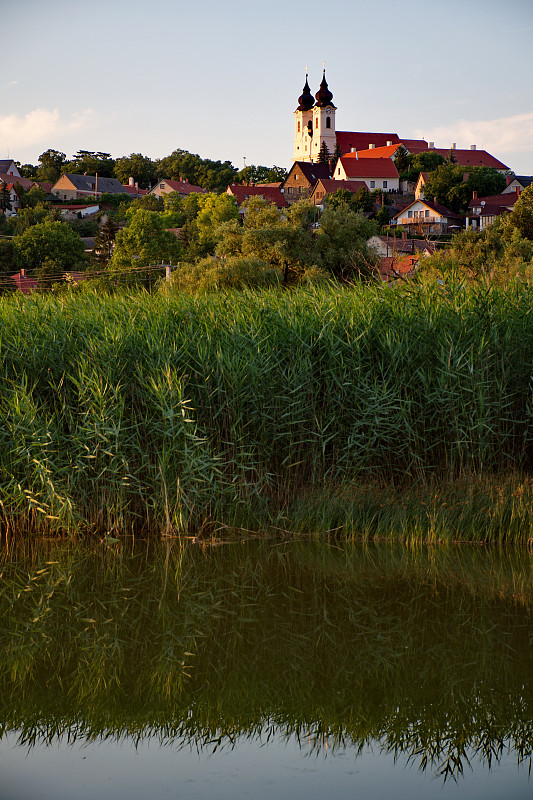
point(324, 96)
point(306, 100)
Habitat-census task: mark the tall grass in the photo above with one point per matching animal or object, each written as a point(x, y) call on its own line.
point(172, 413)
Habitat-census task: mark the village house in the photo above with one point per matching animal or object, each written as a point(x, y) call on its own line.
point(271, 194)
point(302, 178)
point(183, 188)
point(520, 182)
point(377, 173)
point(425, 217)
point(326, 186)
point(482, 211)
point(76, 187)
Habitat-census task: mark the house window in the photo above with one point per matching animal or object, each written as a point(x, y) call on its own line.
point(328, 122)
point(339, 171)
point(427, 213)
point(384, 184)
point(410, 214)
point(372, 184)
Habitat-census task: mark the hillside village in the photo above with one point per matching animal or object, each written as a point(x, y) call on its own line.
point(419, 194)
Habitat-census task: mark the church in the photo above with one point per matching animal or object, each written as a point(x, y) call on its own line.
point(314, 128)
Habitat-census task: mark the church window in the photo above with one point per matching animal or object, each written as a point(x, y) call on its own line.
point(328, 122)
point(298, 127)
point(316, 122)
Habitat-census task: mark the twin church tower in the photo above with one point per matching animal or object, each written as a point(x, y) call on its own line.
point(314, 123)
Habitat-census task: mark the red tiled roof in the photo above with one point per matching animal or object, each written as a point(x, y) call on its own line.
point(23, 283)
point(346, 140)
point(437, 207)
point(133, 190)
point(391, 267)
point(26, 183)
point(415, 144)
point(368, 167)
point(471, 158)
point(331, 185)
point(271, 194)
point(182, 187)
point(496, 200)
point(376, 152)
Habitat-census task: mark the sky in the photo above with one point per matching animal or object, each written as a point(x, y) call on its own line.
point(222, 79)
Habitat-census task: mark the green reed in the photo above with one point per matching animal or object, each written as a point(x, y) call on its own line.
point(177, 414)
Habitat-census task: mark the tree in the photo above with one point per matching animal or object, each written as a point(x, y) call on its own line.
point(211, 175)
point(342, 244)
point(144, 241)
point(453, 187)
point(50, 240)
point(323, 155)
point(5, 198)
point(336, 155)
point(136, 166)
point(90, 162)
point(51, 163)
point(34, 196)
point(522, 214)
point(33, 215)
point(361, 200)
point(104, 242)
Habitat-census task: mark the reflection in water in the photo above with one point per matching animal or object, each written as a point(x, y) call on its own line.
point(425, 654)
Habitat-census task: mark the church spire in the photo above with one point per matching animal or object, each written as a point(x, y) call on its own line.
point(306, 100)
point(324, 96)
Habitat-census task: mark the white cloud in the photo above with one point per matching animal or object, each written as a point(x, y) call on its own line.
point(40, 127)
point(504, 135)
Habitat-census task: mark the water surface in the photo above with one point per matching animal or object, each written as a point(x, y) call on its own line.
point(286, 668)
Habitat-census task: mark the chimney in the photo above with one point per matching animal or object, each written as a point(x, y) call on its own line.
point(474, 195)
point(432, 145)
point(435, 200)
point(131, 181)
point(23, 272)
point(454, 145)
point(509, 179)
point(389, 144)
point(353, 149)
point(371, 146)
point(517, 190)
point(137, 185)
point(472, 146)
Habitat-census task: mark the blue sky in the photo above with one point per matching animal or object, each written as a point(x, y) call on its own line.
point(222, 79)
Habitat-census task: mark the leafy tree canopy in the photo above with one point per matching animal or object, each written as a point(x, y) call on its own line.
point(522, 214)
point(90, 162)
point(258, 174)
point(361, 200)
point(141, 168)
point(51, 164)
point(211, 175)
point(144, 241)
point(50, 240)
point(453, 186)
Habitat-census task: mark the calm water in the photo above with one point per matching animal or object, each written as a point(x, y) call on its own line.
point(265, 669)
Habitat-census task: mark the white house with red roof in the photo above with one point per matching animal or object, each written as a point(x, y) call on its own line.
point(377, 173)
point(423, 216)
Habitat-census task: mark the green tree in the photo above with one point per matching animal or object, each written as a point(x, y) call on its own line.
point(34, 196)
point(211, 175)
point(7, 257)
point(324, 154)
point(342, 244)
point(5, 198)
point(33, 215)
point(522, 214)
point(50, 240)
point(50, 167)
point(361, 200)
point(104, 242)
point(144, 241)
point(90, 162)
point(136, 166)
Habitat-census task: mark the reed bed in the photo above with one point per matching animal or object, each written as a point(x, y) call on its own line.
point(180, 414)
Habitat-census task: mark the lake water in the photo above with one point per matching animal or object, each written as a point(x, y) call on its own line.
point(261, 669)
